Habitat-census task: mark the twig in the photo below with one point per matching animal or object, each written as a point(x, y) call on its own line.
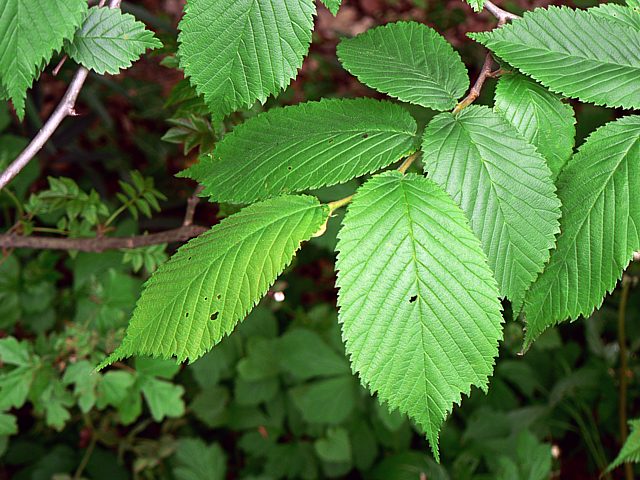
point(502, 15)
point(100, 244)
point(622, 396)
point(65, 108)
point(474, 93)
point(192, 203)
point(407, 162)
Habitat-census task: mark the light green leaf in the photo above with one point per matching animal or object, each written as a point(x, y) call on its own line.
point(503, 185)
point(110, 40)
point(305, 146)
point(540, 117)
point(8, 424)
point(574, 53)
point(328, 401)
point(623, 16)
point(630, 451)
point(600, 193)
point(113, 388)
point(31, 30)
point(335, 447)
point(84, 378)
point(418, 303)
point(13, 352)
point(196, 460)
point(408, 61)
point(214, 280)
point(633, 3)
point(332, 5)
point(164, 398)
point(477, 5)
point(239, 52)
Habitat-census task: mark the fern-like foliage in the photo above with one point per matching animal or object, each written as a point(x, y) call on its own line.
point(540, 116)
point(573, 52)
point(418, 303)
point(214, 280)
point(503, 185)
point(110, 40)
point(31, 30)
point(239, 52)
point(600, 219)
point(408, 61)
point(306, 146)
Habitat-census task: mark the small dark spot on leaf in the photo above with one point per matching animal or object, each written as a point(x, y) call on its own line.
point(189, 258)
point(214, 315)
point(413, 299)
point(187, 314)
point(331, 140)
point(289, 167)
point(366, 135)
point(218, 296)
point(205, 299)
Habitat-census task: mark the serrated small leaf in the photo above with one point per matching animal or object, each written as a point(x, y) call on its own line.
point(332, 5)
point(239, 52)
point(600, 193)
point(630, 451)
point(572, 52)
point(477, 5)
point(540, 117)
point(503, 185)
point(214, 280)
point(408, 61)
point(31, 30)
point(418, 303)
point(306, 146)
point(110, 40)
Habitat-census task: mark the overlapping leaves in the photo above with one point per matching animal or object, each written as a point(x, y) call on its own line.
point(418, 303)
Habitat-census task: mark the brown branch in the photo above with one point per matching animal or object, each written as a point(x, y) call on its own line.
point(65, 108)
point(474, 93)
point(100, 244)
point(192, 203)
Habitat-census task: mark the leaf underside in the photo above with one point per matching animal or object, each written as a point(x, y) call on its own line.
point(573, 52)
point(540, 117)
point(31, 30)
point(213, 281)
point(305, 146)
point(418, 303)
point(239, 52)
point(408, 61)
point(503, 185)
point(110, 40)
point(600, 193)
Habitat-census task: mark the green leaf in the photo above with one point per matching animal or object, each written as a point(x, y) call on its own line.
point(31, 30)
point(619, 14)
point(539, 116)
point(237, 53)
point(8, 424)
point(328, 401)
point(600, 193)
point(110, 40)
point(196, 460)
point(305, 146)
point(305, 355)
point(418, 303)
point(503, 185)
point(13, 352)
point(633, 3)
point(409, 61)
point(214, 280)
point(164, 398)
point(630, 451)
point(85, 379)
point(477, 5)
point(574, 53)
point(113, 388)
point(332, 5)
point(335, 447)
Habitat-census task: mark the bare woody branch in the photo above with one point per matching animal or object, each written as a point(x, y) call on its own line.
point(100, 244)
point(65, 108)
point(502, 15)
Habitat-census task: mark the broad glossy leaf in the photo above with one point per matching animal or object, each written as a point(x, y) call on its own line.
point(418, 304)
point(503, 185)
point(214, 280)
point(31, 30)
point(540, 117)
point(305, 146)
point(408, 61)
point(600, 193)
point(573, 52)
point(110, 40)
point(238, 52)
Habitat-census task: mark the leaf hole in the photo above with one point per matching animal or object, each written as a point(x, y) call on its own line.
point(218, 296)
point(330, 140)
point(205, 299)
point(413, 299)
point(366, 135)
point(187, 314)
point(214, 315)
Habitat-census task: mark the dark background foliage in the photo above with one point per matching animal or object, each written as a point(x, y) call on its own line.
point(276, 400)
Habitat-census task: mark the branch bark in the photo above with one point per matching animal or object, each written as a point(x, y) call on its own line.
point(474, 93)
point(65, 108)
point(100, 244)
point(502, 15)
